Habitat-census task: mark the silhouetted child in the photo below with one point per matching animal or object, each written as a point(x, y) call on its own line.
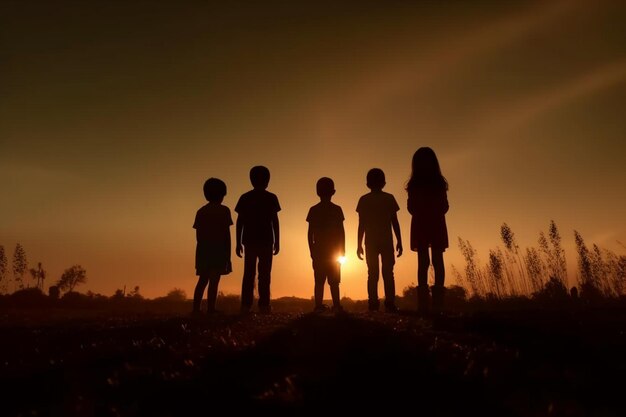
point(377, 217)
point(257, 237)
point(327, 243)
point(212, 226)
point(428, 203)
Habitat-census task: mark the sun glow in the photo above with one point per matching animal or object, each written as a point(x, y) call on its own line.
point(341, 260)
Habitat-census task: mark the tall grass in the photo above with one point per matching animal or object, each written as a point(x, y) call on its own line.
point(474, 276)
point(541, 270)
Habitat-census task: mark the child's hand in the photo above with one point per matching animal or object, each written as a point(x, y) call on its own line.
point(399, 249)
point(238, 250)
point(359, 252)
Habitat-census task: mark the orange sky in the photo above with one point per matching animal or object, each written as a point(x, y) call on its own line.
point(113, 114)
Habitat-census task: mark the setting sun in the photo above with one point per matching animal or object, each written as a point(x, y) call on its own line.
point(341, 260)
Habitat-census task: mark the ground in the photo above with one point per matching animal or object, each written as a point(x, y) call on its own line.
point(511, 363)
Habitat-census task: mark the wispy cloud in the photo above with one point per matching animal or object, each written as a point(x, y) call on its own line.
point(497, 121)
point(445, 57)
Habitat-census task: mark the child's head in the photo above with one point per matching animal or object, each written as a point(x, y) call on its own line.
point(376, 179)
point(325, 187)
point(214, 190)
point(425, 163)
point(260, 177)
point(425, 170)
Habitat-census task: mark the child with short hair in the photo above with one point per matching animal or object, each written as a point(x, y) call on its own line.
point(257, 233)
point(327, 243)
point(377, 217)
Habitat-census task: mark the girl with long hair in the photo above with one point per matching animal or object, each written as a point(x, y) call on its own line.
point(428, 204)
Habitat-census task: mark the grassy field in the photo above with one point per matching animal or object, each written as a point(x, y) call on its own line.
point(531, 362)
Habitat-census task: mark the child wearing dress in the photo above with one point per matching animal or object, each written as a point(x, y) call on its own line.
point(428, 204)
point(212, 226)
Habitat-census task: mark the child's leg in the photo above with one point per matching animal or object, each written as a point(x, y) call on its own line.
point(388, 260)
point(371, 257)
point(440, 271)
point(199, 291)
point(247, 283)
point(438, 289)
point(423, 263)
point(319, 273)
point(423, 294)
point(334, 278)
point(211, 296)
point(265, 275)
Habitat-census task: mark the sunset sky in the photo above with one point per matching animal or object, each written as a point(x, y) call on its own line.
point(114, 113)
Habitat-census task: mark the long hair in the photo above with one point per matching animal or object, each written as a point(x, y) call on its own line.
point(425, 171)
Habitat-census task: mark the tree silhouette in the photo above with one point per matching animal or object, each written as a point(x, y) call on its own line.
point(135, 293)
point(20, 264)
point(72, 277)
point(118, 294)
point(38, 274)
point(3, 267)
point(176, 294)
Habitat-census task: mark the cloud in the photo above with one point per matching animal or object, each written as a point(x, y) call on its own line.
point(414, 67)
point(497, 121)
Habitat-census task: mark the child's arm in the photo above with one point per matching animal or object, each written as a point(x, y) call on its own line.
point(410, 204)
point(359, 239)
point(396, 230)
point(310, 237)
point(444, 203)
point(239, 231)
point(228, 242)
point(276, 228)
point(343, 241)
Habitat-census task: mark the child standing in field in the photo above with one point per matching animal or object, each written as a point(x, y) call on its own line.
point(377, 217)
point(212, 226)
point(257, 238)
point(428, 203)
point(327, 242)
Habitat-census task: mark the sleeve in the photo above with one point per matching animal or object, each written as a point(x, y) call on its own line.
point(394, 204)
point(309, 216)
point(359, 206)
point(240, 205)
point(229, 217)
point(276, 204)
point(196, 221)
point(340, 216)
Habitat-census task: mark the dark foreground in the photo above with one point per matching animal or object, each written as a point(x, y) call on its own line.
point(530, 363)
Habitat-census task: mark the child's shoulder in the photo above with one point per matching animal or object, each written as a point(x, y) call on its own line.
point(324, 207)
point(256, 193)
point(202, 208)
point(209, 209)
point(372, 195)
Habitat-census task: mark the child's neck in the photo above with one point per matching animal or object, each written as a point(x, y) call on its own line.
point(376, 190)
point(325, 199)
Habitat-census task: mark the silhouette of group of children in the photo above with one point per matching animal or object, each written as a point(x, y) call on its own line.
point(258, 237)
